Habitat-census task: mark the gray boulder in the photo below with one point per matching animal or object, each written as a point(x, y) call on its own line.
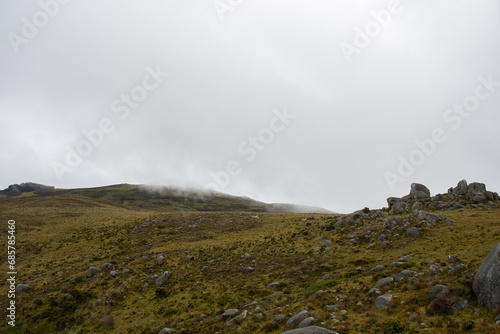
point(307, 322)
point(166, 330)
point(497, 320)
point(433, 270)
point(107, 266)
point(384, 281)
point(436, 291)
point(163, 278)
point(229, 313)
point(22, 288)
point(296, 319)
point(92, 271)
point(460, 189)
point(413, 232)
point(310, 330)
point(486, 284)
point(399, 207)
point(459, 306)
point(404, 274)
point(456, 269)
point(419, 191)
point(383, 301)
point(416, 207)
point(237, 320)
point(279, 318)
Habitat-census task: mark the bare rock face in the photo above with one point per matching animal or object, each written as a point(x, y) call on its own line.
point(487, 281)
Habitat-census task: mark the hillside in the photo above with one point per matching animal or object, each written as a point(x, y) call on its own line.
point(157, 199)
point(95, 264)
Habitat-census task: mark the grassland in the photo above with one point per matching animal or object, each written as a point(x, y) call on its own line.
point(60, 236)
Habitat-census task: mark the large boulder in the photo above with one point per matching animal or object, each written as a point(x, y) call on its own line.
point(487, 281)
point(419, 191)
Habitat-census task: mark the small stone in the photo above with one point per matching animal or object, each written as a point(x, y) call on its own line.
point(279, 318)
point(497, 320)
point(113, 273)
point(383, 301)
point(107, 266)
point(163, 278)
point(247, 256)
point(92, 271)
point(237, 320)
point(413, 232)
point(378, 268)
point(436, 291)
point(166, 330)
point(189, 258)
point(384, 244)
point(229, 313)
point(433, 270)
point(459, 306)
point(327, 277)
point(22, 288)
point(307, 322)
point(384, 281)
point(296, 319)
point(273, 285)
point(327, 243)
point(457, 269)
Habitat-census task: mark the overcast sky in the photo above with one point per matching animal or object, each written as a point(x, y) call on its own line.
point(314, 102)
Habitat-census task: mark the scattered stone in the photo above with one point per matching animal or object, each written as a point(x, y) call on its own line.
point(327, 243)
point(384, 281)
point(229, 313)
point(384, 244)
point(247, 256)
point(166, 330)
point(416, 207)
point(250, 305)
point(374, 291)
point(459, 306)
point(160, 258)
point(497, 320)
point(307, 322)
point(189, 258)
point(310, 330)
point(370, 246)
point(107, 266)
point(456, 270)
point(296, 319)
point(311, 217)
point(327, 277)
point(403, 274)
point(437, 290)
point(383, 301)
point(378, 268)
point(113, 273)
point(273, 285)
point(163, 278)
point(486, 282)
point(413, 232)
point(237, 320)
point(279, 318)
point(433, 270)
point(399, 207)
point(22, 288)
point(419, 191)
point(92, 271)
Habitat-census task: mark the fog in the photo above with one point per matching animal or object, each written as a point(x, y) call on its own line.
point(332, 104)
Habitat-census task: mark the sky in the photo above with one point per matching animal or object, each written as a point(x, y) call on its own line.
point(337, 104)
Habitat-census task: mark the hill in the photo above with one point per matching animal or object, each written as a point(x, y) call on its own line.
point(94, 266)
point(157, 199)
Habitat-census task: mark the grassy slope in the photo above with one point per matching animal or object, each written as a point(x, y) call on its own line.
point(59, 237)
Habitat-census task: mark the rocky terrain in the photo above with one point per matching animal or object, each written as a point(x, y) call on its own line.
point(423, 264)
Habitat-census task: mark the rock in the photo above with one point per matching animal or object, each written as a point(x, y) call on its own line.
point(310, 330)
point(378, 268)
point(166, 330)
point(374, 291)
point(413, 232)
point(273, 285)
point(428, 217)
point(229, 313)
point(250, 305)
point(384, 244)
point(237, 320)
point(22, 288)
point(163, 278)
point(327, 277)
point(460, 189)
point(457, 269)
point(419, 191)
point(145, 287)
point(311, 217)
point(436, 291)
point(459, 306)
point(383, 301)
point(497, 320)
point(384, 281)
point(416, 207)
point(160, 258)
point(107, 266)
point(307, 322)
point(487, 280)
point(296, 319)
point(453, 259)
point(92, 271)
point(249, 270)
point(189, 258)
point(113, 273)
point(370, 246)
point(433, 270)
point(399, 207)
point(247, 256)
point(404, 274)
point(327, 243)
point(279, 318)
